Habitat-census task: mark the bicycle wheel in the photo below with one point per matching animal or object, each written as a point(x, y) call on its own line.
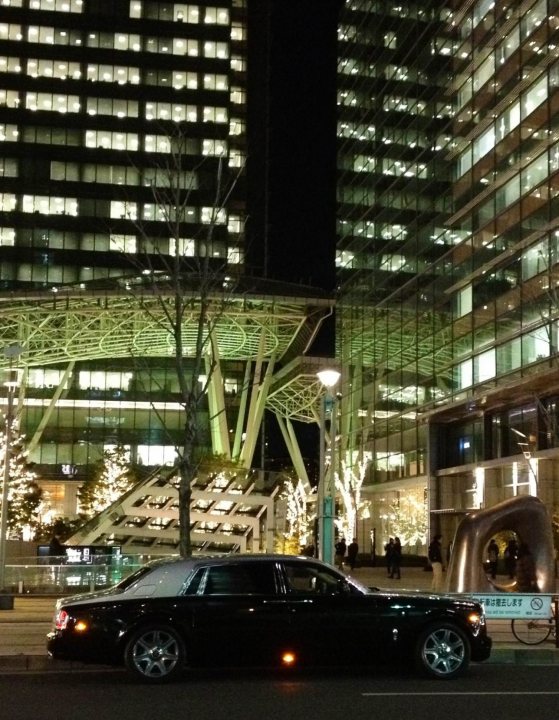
point(531, 632)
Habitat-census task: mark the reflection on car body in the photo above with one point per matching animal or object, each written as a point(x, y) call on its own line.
point(262, 609)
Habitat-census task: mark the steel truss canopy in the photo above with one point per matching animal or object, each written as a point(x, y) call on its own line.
point(118, 320)
point(296, 390)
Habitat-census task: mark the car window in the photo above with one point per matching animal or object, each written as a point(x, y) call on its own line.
point(311, 580)
point(242, 579)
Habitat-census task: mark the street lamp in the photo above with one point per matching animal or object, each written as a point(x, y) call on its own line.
point(11, 383)
point(326, 492)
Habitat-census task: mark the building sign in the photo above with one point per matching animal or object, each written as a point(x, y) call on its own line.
point(515, 605)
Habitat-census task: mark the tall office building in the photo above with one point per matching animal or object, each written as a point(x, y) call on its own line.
point(123, 146)
point(448, 250)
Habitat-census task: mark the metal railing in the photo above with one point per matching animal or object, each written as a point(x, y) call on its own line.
point(55, 576)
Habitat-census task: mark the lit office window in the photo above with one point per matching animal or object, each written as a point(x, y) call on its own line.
point(113, 73)
point(48, 205)
point(111, 140)
point(124, 210)
point(53, 69)
point(238, 32)
point(7, 236)
point(7, 202)
point(53, 36)
point(57, 5)
point(186, 247)
point(235, 224)
point(8, 133)
point(216, 50)
point(75, 6)
point(9, 98)
point(10, 64)
point(216, 148)
point(213, 216)
point(51, 102)
point(238, 63)
point(236, 158)
point(9, 31)
point(215, 82)
point(112, 106)
point(216, 16)
point(214, 114)
point(170, 111)
point(236, 126)
point(234, 255)
point(135, 9)
point(123, 243)
point(165, 144)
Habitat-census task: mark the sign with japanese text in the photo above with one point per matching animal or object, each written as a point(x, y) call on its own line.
point(515, 605)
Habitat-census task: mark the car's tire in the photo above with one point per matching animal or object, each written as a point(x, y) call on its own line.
point(442, 651)
point(155, 653)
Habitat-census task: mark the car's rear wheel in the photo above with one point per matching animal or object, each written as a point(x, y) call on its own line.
point(155, 653)
point(443, 651)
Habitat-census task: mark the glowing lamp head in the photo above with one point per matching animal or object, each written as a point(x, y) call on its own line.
point(328, 378)
point(288, 658)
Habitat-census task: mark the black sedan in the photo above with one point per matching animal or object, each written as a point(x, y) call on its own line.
point(263, 610)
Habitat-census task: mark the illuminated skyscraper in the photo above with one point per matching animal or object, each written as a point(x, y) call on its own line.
point(447, 254)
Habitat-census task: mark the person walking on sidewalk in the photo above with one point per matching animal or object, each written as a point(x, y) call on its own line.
point(436, 560)
point(339, 554)
point(396, 559)
point(388, 551)
point(352, 550)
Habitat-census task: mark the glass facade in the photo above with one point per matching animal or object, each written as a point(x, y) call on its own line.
point(99, 100)
point(447, 252)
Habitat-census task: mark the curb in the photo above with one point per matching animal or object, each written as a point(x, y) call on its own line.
point(509, 655)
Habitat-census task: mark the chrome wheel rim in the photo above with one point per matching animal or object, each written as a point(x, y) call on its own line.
point(156, 653)
point(444, 651)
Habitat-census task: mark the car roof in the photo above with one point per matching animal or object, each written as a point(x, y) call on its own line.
point(231, 558)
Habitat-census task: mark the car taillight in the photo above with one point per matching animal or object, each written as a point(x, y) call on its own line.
point(61, 620)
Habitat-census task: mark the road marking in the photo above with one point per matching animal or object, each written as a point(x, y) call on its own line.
point(475, 693)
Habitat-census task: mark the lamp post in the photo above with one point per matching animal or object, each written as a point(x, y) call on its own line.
point(11, 383)
point(326, 491)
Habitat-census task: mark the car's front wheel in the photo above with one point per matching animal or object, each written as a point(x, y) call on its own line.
point(155, 653)
point(443, 651)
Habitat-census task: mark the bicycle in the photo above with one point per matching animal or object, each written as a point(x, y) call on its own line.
point(533, 631)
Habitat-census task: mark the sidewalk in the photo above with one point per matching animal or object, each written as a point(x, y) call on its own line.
point(23, 629)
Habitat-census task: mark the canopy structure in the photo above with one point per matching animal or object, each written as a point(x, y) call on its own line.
point(81, 323)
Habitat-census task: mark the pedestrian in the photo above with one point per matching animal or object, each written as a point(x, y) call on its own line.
point(57, 551)
point(352, 550)
point(511, 553)
point(396, 559)
point(526, 580)
point(436, 560)
point(388, 550)
point(492, 558)
point(339, 553)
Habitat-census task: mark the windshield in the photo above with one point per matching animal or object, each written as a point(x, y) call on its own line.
point(358, 585)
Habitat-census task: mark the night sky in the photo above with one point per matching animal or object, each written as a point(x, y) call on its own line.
point(294, 124)
point(292, 163)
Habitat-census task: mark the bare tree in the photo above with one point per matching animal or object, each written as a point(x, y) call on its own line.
point(192, 288)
